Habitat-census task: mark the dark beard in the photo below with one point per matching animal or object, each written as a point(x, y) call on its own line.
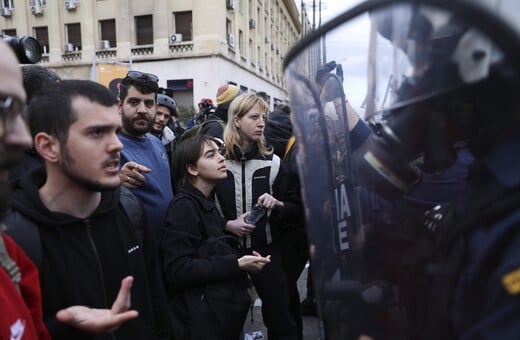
point(68, 168)
point(129, 127)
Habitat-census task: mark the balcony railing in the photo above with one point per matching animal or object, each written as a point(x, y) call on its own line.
point(142, 50)
point(71, 56)
point(180, 47)
point(107, 54)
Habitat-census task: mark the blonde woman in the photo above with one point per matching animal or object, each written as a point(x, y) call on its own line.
point(254, 174)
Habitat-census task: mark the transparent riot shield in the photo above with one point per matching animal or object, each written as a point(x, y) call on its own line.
point(410, 70)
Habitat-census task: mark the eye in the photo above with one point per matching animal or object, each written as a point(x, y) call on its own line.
point(133, 102)
point(149, 103)
point(97, 133)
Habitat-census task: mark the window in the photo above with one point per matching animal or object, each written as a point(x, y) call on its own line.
point(251, 50)
point(144, 30)
point(241, 42)
point(11, 32)
point(73, 32)
point(182, 22)
point(42, 35)
point(7, 4)
point(36, 3)
point(107, 31)
point(229, 28)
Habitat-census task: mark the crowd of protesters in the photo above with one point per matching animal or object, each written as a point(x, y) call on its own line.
point(126, 226)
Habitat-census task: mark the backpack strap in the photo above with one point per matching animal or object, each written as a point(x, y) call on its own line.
point(26, 235)
point(289, 146)
point(133, 210)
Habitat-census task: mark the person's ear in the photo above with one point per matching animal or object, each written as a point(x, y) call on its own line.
point(47, 146)
point(119, 106)
point(236, 122)
point(192, 170)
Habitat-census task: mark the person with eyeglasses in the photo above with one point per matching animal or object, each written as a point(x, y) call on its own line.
point(145, 164)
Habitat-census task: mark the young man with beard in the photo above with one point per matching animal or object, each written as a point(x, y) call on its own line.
point(89, 244)
point(145, 165)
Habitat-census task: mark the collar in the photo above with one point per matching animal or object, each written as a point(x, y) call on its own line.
point(204, 202)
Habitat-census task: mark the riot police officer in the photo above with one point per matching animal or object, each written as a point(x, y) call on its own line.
point(436, 76)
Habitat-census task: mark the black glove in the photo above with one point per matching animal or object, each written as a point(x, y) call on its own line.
point(324, 70)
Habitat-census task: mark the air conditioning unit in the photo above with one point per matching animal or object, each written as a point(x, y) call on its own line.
point(71, 4)
point(5, 12)
point(68, 47)
point(231, 40)
point(36, 10)
point(104, 44)
point(175, 38)
point(252, 23)
point(230, 4)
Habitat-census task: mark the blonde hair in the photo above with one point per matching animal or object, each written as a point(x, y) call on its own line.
point(239, 107)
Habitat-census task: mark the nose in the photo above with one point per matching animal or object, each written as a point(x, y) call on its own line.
point(115, 144)
point(18, 135)
point(142, 107)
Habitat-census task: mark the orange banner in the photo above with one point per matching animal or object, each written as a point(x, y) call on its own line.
point(110, 75)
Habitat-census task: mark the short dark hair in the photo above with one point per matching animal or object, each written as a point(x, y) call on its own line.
point(50, 110)
point(187, 151)
point(143, 84)
point(36, 77)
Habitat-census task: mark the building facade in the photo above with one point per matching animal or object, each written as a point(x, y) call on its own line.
point(194, 46)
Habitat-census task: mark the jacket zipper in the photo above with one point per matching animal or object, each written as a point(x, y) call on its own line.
point(243, 162)
point(244, 204)
point(100, 269)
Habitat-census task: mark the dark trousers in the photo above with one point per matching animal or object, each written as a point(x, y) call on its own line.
point(294, 248)
point(271, 286)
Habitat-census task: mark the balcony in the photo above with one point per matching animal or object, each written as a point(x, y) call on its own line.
point(107, 53)
point(71, 56)
point(142, 51)
point(181, 47)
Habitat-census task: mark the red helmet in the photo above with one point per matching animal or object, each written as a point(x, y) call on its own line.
point(205, 103)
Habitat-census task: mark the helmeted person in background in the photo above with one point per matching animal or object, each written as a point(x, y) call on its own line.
point(85, 243)
point(205, 106)
point(199, 259)
point(35, 77)
point(255, 176)
point(145, 168)
point(165, 109)
point(452, 76)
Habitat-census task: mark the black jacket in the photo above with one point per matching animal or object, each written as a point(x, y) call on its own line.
point(193, 277)
point(84, 261)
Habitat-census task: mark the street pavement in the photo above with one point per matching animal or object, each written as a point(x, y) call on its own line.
point(254, 328)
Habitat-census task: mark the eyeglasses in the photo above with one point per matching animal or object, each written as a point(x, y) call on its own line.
point(10, 108)
point(138, 75)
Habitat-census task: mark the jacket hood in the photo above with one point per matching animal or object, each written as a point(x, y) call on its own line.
point(277, 131)
point(26, 200)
